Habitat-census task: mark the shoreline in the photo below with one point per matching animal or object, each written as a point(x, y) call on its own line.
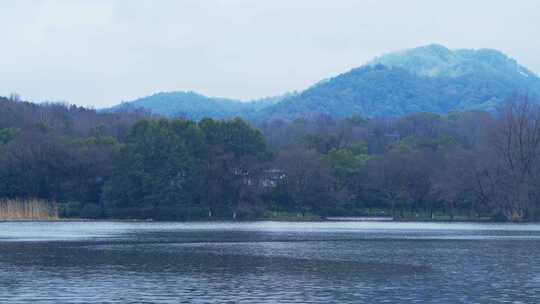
point(370, 220)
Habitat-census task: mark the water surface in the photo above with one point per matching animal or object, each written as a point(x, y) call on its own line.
point(269, 262)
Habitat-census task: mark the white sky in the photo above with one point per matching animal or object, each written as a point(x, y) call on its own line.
point(98, 53)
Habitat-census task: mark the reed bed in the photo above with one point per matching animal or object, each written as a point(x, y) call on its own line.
point(31, 209)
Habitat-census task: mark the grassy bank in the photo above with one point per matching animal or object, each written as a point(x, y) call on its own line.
point(39, 210)
point(290, 217)
point(31, 209)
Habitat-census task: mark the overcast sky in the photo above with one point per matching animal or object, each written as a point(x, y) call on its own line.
point(99, 53)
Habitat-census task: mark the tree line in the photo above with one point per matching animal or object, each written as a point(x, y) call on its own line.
point(136, 165)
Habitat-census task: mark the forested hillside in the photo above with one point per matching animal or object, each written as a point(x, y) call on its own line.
point(427, 79)
point(132, 165)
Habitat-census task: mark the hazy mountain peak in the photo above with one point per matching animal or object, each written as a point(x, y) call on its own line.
point(435, 60)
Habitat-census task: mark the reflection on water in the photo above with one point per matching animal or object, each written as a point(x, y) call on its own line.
point(269, 262)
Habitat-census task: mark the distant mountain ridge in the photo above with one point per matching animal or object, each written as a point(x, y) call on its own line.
point(195, 106)
point(430, 78)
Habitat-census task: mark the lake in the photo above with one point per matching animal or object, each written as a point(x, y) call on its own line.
point(269, 262)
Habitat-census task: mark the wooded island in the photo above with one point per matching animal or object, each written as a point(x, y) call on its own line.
point(134, 165)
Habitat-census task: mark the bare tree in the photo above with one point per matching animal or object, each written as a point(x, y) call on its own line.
point(516, 147)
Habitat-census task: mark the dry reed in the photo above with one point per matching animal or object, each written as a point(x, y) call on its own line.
point(31, 209)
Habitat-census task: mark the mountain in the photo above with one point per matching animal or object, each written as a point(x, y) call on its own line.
point(425, 79)
point(195, 106)
point(431, 78)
